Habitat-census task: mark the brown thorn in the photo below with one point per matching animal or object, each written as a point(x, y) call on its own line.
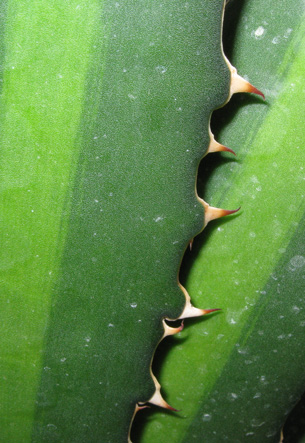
point(214, 146)
point(191, 244)
point(254, 90)
point(189, 310)
point(208, 311)
point(157, 398)
point(239, 84)
point(212, 213)
point(225, 149)
point(168, 330)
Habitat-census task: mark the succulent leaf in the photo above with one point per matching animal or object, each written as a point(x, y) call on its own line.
point(104, 120)
point(240, 374)
point(105, 113)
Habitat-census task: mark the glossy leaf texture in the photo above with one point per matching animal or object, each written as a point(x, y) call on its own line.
point(236, 376)
point(105, 110)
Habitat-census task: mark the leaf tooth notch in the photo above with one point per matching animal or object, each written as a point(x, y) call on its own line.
point(237, 85)
point(189, 311)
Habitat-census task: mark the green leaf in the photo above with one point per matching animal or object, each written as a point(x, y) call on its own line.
point(104, 114)
point(105, 110)
point(237, 375)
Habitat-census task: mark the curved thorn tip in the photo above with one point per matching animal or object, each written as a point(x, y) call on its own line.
point(214, 146)
point(239, 84)
point(209, 311)
point(212, 213)
point(229, 212)
point(158, 400)
point(254, 90)
point(190, 311)
point(226, 149)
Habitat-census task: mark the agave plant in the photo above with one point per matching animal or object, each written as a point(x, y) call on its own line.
point(105, 111)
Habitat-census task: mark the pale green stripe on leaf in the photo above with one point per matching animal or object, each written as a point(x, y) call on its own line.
point(47, 51)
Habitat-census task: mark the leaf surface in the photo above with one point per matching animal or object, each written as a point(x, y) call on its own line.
point(237, 376)
point(105, 111)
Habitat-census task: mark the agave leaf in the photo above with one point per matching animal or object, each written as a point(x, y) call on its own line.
point(105, 113)
point(237, 375)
